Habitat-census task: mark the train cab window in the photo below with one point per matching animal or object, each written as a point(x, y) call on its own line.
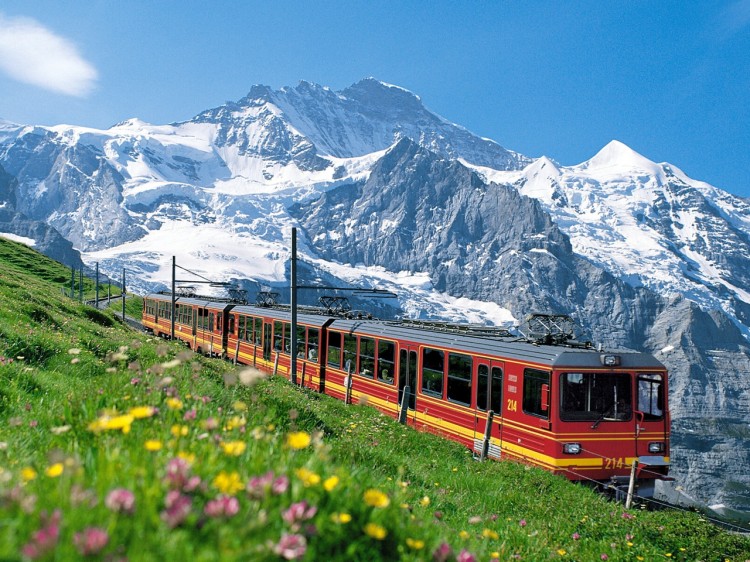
point(433, 361)
point(651, 396)
point(533, 381)
point(490, 392)
point(386, 361)
point(334, 349)
point(459, 378)
point(278, 336)
point(313, 337)
point(366, 357)
point(595, 396)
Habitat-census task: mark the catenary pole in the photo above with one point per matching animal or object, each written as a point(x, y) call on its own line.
point(123, 295)
point(72, 281)
point(293, 335)
point(174, 288)
point(97, 285)
point(80, 284)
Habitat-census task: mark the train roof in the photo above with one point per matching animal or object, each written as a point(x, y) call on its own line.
point(554, 356)
point(284, 314)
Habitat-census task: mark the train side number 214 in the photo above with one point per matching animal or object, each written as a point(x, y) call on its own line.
point(512, 405)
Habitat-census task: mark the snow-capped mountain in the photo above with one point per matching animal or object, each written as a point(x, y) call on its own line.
point(388, 194)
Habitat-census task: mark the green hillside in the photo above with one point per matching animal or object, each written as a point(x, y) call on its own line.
point(115, 445)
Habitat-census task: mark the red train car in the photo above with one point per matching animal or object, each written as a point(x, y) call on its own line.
point(585, 414)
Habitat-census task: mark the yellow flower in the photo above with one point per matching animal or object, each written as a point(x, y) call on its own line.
point(464, 535)
point(179, 430)
point(28, 474)
point(330, 483)
point(55, 470)
point(140, 412)
point(489, 534)
point(152, 445)
point(106, 422)
point(189, 457)
point(228, 483)
point(341, 518)
point(375, 531)
point(562, 551)
point(174, 403)
point(235, 422)
point(376, 498)
point(424, 502)
point(495, 554)
point(298, 440)
point(308, 477)
point(233, 448)
point(239, 406)
point(415, 544)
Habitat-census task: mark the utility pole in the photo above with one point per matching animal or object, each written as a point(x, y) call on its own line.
point(97, 285)
point(123, 295)
point(72, 281)
point(80, 284)
point(174, 288)
point(293, 336)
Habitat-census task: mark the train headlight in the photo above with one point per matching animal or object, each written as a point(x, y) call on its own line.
point(610, 360)
point(656, 447)
point(571, 448)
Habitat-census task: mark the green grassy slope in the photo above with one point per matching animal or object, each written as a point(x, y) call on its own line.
point(221, 466)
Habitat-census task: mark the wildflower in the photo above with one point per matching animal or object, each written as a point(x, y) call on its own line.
point(341, 518)
point(60, 429)
point(257, 485)
point(424, 502)
point(171, 364)
point(45, 539)
point(464, 535)
point(330, 483)
point(222, 506)
point(627, 515)
point(308, 477)
point(82, 496)
point(55, 470)
point(474, 520)
point(522, 522)
point(74, 351)
point(438, 515)
point(120, 500)
point(233, 448)
point(375, 531)
point(291, 547)
point(376, 498)
point(604, 557)
point(299, 512)
point(442, 552)
point(415, 544)
point(153, 445)
point(298, 440)
point(575, 536)
point(174, 403)
point(177, 508)
point(490, 534)
point(178, 475)
point(179, 430)
point(465, 556)
point(562, 551)
point(190, 415)
point(135, 381)
point(228, 483)
point(140, 412)
point(91, 541)
point(106, 422)
point(629, 536)
point(187, 457)
point(280, 485)
point(28, 474)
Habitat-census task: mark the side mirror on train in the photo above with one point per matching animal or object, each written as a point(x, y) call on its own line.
point(545, 397)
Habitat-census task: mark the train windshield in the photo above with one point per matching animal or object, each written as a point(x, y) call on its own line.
point(596, 397)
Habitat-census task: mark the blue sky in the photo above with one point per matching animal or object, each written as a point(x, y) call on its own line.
point(671, 79)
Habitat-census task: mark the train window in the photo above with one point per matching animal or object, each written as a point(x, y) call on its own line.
point(491, 390)
point(350, 352)
point(300, 349)
point(211, 321)
point(367, 357)
point(257, 331)
point(595, 396)
point(241, 327)
point(219, 318)
point(334, 349)
point(231, 324)
point(312, 343)
point(459, 378)
point(651, 396)
point(386, 361)
point(278, 335)
point(533, 379)
point(432, 371)
point(287, 337)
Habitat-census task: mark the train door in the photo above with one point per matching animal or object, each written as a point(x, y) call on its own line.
point(267, 338)
point(488, 398)
point(651, 429)
point(407, 377)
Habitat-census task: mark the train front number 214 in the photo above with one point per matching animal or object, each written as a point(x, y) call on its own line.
point(612, 463)
point(512, 405)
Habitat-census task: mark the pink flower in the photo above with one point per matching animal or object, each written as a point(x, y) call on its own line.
point(45, 539)
point(465, 556)
point(91, 541)
point(576, 536)
point(178, 507)
point(258, 486)
point(629, 537)
point(190, 415)
point(604, 557)
point(442, 552)
point(299, 512)
point(291, 547)
point(222, 506)
point(627, 515)
point(178, 475)
point(121, 500)
point(522, 522)
point(134, 381)
point(280, 485)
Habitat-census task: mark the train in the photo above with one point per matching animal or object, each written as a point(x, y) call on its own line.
point(591, 415)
